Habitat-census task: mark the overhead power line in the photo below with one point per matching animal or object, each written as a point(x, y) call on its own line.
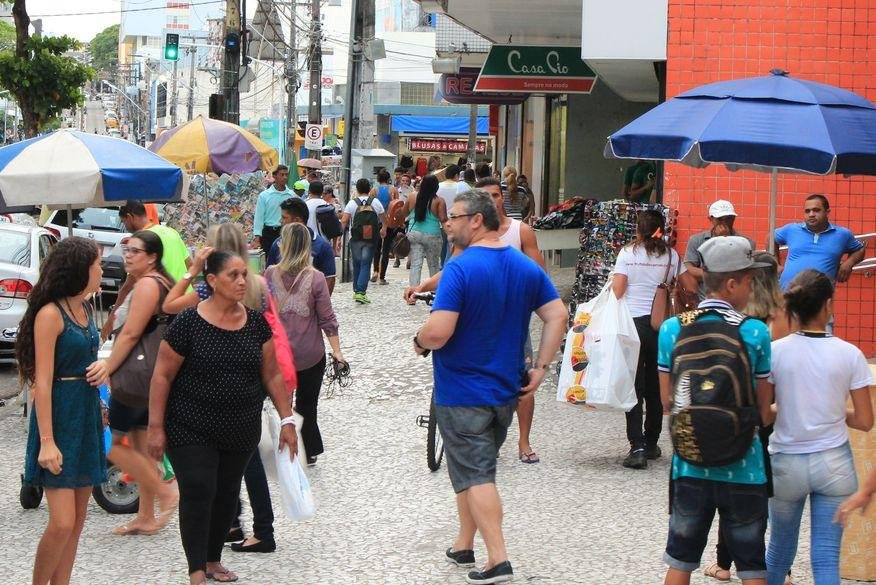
point(120, 11)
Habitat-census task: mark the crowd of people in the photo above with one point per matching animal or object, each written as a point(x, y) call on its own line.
point(200, 342)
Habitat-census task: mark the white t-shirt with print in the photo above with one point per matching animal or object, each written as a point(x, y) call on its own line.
point(352, 206)
point(643, 274)
point(813, 377)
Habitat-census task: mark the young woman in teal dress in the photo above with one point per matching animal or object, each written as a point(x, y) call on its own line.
point(56, 352)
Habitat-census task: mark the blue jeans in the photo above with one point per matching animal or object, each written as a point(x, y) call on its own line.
point(743, 513)
point(361, 255)
point(827, 478)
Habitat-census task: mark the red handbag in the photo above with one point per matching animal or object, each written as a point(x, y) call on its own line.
point(281, 344)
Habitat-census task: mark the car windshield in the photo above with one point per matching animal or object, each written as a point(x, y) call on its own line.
point(14, 247)
point(98, 218)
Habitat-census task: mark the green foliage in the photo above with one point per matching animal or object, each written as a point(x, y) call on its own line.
point(7, 36)
point(46, 82)
point(104, 49)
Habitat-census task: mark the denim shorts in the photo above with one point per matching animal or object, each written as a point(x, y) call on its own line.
point(743, 511)
point(124, 418)
point(472, 437)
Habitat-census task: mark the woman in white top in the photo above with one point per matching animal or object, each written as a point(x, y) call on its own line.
point(814, 374)
point(640, 268)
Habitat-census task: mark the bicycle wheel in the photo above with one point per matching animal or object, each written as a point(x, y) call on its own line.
point(434, 443)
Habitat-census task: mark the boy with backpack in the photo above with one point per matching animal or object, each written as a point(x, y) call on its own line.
point(366, 215)
point(713, 367)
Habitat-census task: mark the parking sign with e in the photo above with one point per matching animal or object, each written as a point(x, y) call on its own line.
point(313, 137)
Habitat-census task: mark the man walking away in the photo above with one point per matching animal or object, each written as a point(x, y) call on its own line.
point(478, 325)
point(366, 215)
point(710, 362)
point(266, 221)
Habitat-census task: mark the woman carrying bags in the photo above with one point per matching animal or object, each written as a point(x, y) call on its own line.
point(305, 309)
point(141, 323)
point(640, 268)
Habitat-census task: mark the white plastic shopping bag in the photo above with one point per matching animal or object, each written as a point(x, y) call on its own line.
point(268, 442)
point(570, 386)
point(295, 494)
point(611, 344)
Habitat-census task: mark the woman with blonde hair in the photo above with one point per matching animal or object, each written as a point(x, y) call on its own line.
point(224, 237)
point(305, 309)
point(766, 301)
point(517, 200)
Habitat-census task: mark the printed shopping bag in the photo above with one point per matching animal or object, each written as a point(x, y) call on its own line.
point(612, 346)
point(295, 494)
point(570, 386)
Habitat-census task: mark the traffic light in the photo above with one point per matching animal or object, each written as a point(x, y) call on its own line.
point(171, 47)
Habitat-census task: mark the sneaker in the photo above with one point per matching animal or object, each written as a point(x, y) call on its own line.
point(460, 558)
point(382, 281)
point(653, 452)
point(364, 299)
point(501, 573)
point(358, 298)
point(636, 459)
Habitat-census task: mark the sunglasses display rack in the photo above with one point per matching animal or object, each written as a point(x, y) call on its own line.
point(608, 226)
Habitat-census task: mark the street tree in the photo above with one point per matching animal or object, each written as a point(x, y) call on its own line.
point(7, 36)
point(37, 73)
point(104, 50)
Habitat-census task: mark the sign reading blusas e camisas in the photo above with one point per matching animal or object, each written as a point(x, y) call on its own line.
point(535, 70)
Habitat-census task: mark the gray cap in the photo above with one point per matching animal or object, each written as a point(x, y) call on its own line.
point(728, 254)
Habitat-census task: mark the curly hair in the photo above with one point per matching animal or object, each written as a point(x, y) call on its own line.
point(64, 273)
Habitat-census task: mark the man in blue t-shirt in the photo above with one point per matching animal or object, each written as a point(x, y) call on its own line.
point(738, 490)
point(478, 325)
point(816, 243)
point(294, 210)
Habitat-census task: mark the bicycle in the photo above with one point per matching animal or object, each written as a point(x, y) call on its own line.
point(434, 442)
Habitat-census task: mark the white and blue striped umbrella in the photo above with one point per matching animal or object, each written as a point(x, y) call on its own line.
point(71, 168)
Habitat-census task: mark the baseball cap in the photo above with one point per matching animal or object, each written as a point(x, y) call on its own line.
point(728, 254)
point(721, 208)
point(299, 185)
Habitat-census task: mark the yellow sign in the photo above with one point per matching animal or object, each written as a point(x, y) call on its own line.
point(341, 128)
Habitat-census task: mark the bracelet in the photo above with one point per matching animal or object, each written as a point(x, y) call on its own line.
point(47, 438)
point(416, 342)
point(289, 420)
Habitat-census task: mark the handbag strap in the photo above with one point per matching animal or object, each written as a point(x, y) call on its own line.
point(668, 267)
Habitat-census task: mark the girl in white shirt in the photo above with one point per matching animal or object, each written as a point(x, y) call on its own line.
point(639, 269)
point(814, 374)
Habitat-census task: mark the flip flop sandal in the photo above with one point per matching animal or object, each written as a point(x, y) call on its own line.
point(128, 530)
point(223, 576)
point(531, 457)
point(712, 571)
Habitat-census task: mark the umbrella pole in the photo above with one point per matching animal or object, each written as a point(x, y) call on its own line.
point(206, 205)
point(771, 240)
point(69, 220)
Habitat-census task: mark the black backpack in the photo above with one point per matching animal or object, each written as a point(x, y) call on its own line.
point(327, 222)
point(714, 410)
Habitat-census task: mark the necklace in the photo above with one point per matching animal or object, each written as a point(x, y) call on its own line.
point(73, 314)
point(87, 326)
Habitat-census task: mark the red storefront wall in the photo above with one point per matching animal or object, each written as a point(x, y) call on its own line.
point(828, 41)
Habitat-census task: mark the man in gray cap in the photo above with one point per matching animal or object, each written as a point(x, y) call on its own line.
point(722, 215)
point(740, 486)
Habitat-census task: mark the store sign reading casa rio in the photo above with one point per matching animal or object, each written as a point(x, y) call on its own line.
point(535, 70)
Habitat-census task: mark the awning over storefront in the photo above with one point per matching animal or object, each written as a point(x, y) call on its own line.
point(437, 125)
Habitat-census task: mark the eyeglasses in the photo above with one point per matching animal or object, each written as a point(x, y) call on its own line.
point(451, 217)
point(131, 250)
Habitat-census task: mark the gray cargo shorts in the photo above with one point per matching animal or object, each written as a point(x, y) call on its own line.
point(472, 437)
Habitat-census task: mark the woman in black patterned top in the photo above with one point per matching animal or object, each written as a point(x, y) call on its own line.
point(215, 364)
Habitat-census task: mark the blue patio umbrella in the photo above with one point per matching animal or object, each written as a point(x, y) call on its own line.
point(75, 169)
point(770, 124)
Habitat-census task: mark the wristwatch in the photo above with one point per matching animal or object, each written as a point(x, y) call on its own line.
point(187, 276)
point(538, 367)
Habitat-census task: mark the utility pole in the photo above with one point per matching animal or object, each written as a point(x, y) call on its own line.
point(190, 105)
point(291, 86)
point(173, 97)
point(314, 112)
point(367, 126)
point(472, 135)
point(231, 61)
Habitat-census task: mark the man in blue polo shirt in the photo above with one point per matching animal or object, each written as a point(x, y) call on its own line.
point(478, 325)
point(294, 210)
point(818, 244)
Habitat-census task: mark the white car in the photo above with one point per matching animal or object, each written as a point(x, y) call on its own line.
point(103, 225)
point(22, 250)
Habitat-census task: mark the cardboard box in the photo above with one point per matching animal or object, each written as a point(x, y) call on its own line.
point(858, 552)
